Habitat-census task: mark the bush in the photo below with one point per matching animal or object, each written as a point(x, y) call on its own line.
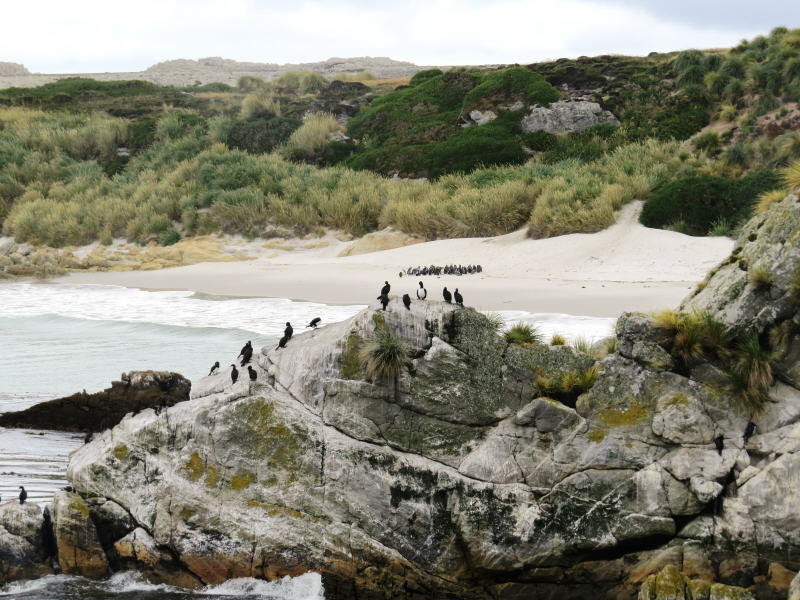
point(169, 237)
point(262, 134)
point(558, 340)
point(523, 334)
point(311, 136)
point(700, 201)
point(384, 356)
point(760, 278)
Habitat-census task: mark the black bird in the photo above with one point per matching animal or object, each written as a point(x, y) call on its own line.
point(282, 343)
point(749, 430)
point(384, 300)
point(88, 437)
point(448, 297)
point(234, 374)
point(288, 332)
point(23, 495)
point(719, 442)
point(385, 289)
point(459, 298)
point(407, 301)
point(68, 488)
point(214, 369)
point(246, 353)
point(252, 372)
point(422, 293)
point(314, 322)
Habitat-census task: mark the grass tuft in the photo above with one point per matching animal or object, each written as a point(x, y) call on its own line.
point(523, 334)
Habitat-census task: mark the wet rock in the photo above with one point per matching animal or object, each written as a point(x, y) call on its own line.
point(79, 548)
point(23, 547)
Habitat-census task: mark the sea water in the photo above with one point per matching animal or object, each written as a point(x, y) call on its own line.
point(56, 340)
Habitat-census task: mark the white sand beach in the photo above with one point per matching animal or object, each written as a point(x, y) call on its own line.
point(625, 267)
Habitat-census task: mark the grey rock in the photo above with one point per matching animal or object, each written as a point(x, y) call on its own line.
point(565, 116)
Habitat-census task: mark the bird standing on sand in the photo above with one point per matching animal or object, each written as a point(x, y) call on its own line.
point(246, 353)
point(407, 301)
point(314, 322)
point(23, 495)
point(214, 369)
point(384, 298)
point(252, 372)
point(459, 298)
point(385, 289)
point(448, 297)
point(422, 293)
point(234, 374)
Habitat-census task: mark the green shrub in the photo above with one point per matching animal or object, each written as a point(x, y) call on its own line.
point(262, 134)
point(523, 334)
point(760, 278)
point(751, 376)
point(422, 76)
point(558, 340)
point(384, 356)
point(169, 237)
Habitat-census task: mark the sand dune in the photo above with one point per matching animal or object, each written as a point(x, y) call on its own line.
point(625, 267)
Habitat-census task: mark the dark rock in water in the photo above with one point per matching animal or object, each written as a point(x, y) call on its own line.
point(137, 391)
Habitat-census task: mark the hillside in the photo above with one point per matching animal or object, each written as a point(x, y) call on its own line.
point(558, 147)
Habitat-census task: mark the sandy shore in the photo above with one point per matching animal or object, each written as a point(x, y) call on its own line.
point(626, 267)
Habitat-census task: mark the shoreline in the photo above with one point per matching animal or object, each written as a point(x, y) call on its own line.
point(626, 267)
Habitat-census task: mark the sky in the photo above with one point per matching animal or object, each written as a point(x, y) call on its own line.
point(83, 36)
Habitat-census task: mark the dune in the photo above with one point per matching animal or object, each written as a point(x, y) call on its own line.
point(625, 267)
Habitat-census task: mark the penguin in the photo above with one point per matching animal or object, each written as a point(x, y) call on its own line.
point(282, 343)
point(214, 369)
point(314, 322)
point(288, 332)
point(407, 301)
point(459, 298)
point(252, 372)
point(384, 300)
point(234, 374)
point(385, 289)
point(422, 293)
point(719, 442)
point(23, 495)
point(448, 297)
point(749, 431)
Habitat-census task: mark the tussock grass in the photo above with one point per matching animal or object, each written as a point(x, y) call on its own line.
point(558, 340)
point(767, 199)
point(311, 136)
point(523, 335)
point(384, 356)
point(760, 278)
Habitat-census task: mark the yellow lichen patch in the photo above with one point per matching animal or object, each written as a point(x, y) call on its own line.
point(194, 467)
point(616, 417)
point(187, 513)
point(597, 435)
point(274, 510)
point(77, 504)
point(242, 480)
point(121, 452)
point(211, 477)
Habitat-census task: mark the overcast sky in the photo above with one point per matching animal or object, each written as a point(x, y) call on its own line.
point(62, 36)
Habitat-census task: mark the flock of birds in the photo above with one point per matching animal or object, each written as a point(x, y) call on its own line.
point(246, 354)
point(446, 270)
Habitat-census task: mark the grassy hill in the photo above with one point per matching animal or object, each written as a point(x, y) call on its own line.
point(277, 158)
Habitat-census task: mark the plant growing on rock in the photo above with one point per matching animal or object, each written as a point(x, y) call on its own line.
point(760, 278)
point(567, 386)
point(558, 340)
point(523, 334)
point(688, 337)
point(384, 356)
point(767, 199)
point(751, 376)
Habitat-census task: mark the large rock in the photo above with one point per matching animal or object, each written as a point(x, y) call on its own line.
point(25, 542)
point(79, 548)
point(138, 390)
point(565, 116)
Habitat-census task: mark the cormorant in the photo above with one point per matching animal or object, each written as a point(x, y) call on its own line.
point(407, 301)
point(288, 332)
point(234, 374)
point(252, 372)
point(422, 293)
point(282, 343)
point(384, 300)
point(214, 369)
point(385, 289)
point(448, 297)
point(88, 437)
point(314, 322)
point(68, 488)
point(23, 495)
point(459, 298)
point(719, 442)
point(749, 430)
point(246, 353)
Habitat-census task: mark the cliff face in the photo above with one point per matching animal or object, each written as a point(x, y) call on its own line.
point(460, 477)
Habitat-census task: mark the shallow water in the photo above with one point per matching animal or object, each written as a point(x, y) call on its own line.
point(131, 586)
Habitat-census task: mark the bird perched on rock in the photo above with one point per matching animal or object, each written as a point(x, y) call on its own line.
point(246, 353)
point(422, 293)
point(282, 343)
point(252, 372)
point(23, 495)
point(719, 442)
point(407, 301)
point(68, 488)
point(448, 297)
point(214, 369)
point(314, 322)
point(234, 373)
point(749, 430)
point(385, 289)
point(384, 300)
point(459, 298)
point(288, 332)
point(88, 437)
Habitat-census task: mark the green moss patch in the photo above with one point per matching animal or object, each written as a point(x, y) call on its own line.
point(121, 452)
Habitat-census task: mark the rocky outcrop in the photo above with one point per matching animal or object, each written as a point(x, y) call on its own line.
point(9, 68)
point(671, 584)
point(566, 116)
point(136, 391)
point(25, 542)
point(77, 542)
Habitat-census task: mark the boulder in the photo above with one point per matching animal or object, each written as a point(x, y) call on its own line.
point(24, 542)
point(567, 116)
point(79, 548)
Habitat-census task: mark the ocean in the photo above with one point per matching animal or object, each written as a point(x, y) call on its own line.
point(56, 340)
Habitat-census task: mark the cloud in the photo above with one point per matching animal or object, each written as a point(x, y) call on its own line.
point(90, 35)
